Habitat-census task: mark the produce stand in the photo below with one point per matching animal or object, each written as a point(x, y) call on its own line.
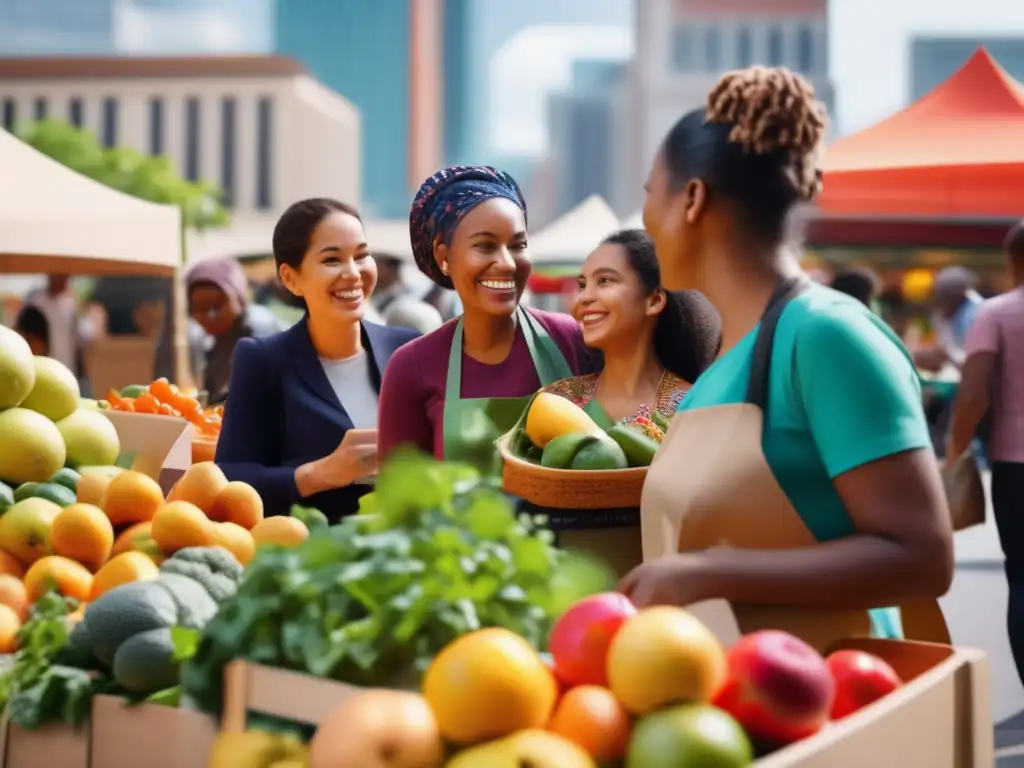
point(55, 220)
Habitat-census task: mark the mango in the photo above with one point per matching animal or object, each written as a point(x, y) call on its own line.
point(550, 416)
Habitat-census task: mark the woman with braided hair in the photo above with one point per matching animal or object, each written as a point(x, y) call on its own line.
point(797, 480)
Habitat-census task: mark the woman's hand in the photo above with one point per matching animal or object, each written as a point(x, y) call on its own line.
point(354, 458)
point(670, 580)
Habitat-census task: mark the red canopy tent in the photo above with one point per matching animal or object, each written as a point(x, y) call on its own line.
point(957, 153)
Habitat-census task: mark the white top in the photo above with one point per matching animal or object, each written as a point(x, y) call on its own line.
point(350, 380)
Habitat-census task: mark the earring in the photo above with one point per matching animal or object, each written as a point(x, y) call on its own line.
point(444, 268)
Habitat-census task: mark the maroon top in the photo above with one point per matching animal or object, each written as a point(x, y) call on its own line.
point(412, 393)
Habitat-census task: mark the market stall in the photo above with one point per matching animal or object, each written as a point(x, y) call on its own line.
point(569, 238)
point(54, 220)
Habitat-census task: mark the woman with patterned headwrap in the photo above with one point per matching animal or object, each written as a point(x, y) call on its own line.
point(468, 231)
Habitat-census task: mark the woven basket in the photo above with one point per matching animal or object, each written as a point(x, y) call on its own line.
point(569, 488)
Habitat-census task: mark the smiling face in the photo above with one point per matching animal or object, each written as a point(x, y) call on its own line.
point(337, 273)
point(487, 260)
point(613, 307)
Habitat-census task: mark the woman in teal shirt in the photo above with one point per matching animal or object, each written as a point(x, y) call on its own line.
point(798, 475)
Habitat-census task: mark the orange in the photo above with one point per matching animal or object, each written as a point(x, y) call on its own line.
point(69, 578)
point(661, 656)
point(236, 540)
point(132, 497)
point(488, 684)
point(199, 485)
point(92, 488)
point(280, 530)
point(126, 567)
point(9, 626)
point(162, 390)
point(83, 533)
point(237, 503)
point(138, 538)
point(179, 524)
point(593, 718)
point(9, 565)
point(14, 595)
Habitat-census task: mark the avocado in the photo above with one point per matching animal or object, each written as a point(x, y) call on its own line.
point(67, 477)
point(559, 453)
point(601, 452)
point(58, 494)
point(637, 445)
point(133, 390)
point(25, 491)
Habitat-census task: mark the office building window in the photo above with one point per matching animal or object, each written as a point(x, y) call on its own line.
point(744, 47)
point(76, 112)
point(804, 48)
point(109, 122)
point(192, 139)
point(10, 114)
point(227, 150)
point(264, 152)
point(156, 126)
point(775, 46)
point(683, 45)
point(39, 109)
point(713, 49)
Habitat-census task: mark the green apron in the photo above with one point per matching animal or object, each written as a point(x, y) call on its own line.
point(503, 412)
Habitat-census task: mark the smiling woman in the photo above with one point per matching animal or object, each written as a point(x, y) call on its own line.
point(300, 421)
point(468, 227)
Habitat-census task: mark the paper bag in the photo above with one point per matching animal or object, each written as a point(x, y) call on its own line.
point(965, 491)
point(162, 444)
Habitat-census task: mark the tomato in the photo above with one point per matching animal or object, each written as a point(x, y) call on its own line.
point(861, 679)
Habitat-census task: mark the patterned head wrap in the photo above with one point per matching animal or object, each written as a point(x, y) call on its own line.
point(444, 199)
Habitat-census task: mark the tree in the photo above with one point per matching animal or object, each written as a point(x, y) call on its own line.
point(149, 178)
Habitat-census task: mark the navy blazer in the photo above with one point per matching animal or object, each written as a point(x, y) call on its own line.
point(281, 412)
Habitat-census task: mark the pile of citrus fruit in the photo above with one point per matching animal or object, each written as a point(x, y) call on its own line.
point(163, 398)
point(117, 527)
point(648, 688)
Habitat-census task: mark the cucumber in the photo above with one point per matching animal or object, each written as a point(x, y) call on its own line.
point(637, 445)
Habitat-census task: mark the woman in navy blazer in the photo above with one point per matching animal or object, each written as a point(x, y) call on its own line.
point(300, 421)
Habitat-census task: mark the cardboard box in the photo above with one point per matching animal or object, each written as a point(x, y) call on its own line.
point(47, 747)
point(301, 698)
point(115, 361)
point(162, 444)
point(148, 735)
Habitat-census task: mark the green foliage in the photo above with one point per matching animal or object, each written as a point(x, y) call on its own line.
point(149, 178)
point(370, 601)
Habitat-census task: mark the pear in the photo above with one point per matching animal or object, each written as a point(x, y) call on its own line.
point(377, 728)
point(535, 748)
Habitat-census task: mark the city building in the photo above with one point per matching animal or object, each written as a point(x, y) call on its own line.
point(581, 120)
point(934, 59)
point(260, 127)
point(683, 46)
point(134, 27)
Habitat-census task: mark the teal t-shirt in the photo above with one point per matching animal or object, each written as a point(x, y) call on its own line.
point(842, 392)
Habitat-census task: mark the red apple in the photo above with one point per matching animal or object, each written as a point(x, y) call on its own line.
point(580, 638)
point(860, 680)
point(777, 687)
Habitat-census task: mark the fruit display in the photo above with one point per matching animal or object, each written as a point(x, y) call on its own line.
point(557, 434)
point(673, 697)
point(44, 423)
point(166, 399)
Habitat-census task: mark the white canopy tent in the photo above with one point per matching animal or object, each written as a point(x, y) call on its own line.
point(53, 219)
point(571, 237)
